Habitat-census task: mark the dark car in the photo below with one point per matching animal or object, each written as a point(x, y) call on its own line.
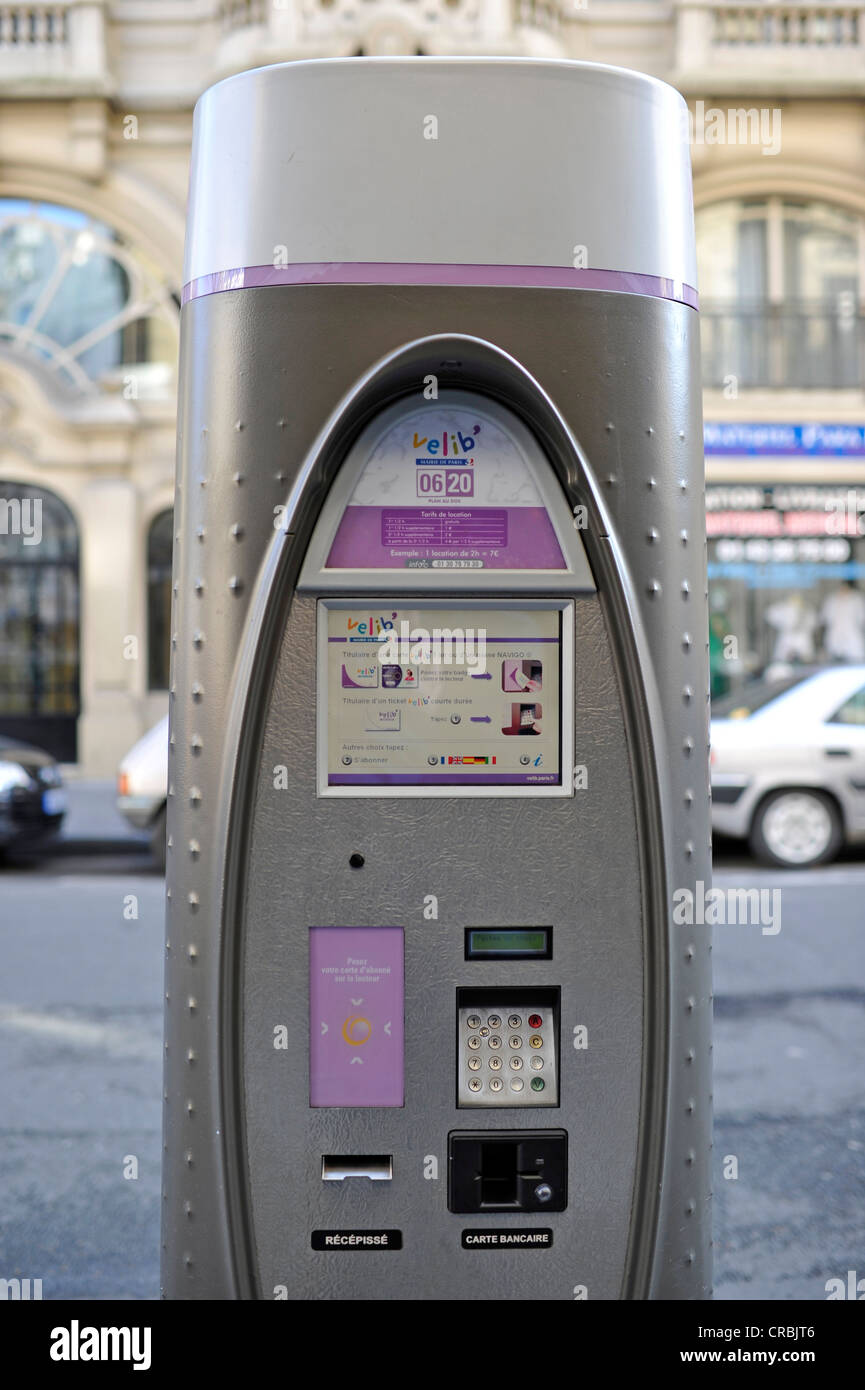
point(32, 799)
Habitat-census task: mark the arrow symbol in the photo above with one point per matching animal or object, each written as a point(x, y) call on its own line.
point(387, 1029)
point(487, 676)
point(357, 1001)
point(356, 1061)
point(323, 1029)
point(480, 719)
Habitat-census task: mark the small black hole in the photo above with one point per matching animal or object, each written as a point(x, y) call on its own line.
point(356, 861)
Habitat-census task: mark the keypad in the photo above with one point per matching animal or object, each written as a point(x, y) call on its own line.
point(494, 1048)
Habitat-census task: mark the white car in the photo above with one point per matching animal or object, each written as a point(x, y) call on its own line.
point(788, 765)
point(142, 786)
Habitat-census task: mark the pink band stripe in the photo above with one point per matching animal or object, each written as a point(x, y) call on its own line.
point(552, 277)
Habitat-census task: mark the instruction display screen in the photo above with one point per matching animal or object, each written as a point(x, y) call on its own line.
point(448, 697)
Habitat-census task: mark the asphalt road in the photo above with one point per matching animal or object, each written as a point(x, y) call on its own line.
point(80, 1031)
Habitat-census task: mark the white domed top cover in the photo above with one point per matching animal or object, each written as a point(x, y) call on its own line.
point(476, 171)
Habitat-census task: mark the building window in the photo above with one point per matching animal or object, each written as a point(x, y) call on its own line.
point(159, 546)
point(781, 293)
point(91, 309)
point(39, 619)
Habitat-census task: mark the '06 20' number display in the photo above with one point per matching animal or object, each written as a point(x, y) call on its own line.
point(446, 482)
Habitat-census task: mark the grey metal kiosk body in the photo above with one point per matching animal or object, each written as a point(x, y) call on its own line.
point(439, 713)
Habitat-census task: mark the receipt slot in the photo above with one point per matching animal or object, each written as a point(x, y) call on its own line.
point(439, 693)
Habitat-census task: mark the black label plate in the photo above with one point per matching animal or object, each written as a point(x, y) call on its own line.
point(357, 1240)
point(513, 1238)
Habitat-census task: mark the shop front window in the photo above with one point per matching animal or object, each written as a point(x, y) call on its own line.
point(786, 579)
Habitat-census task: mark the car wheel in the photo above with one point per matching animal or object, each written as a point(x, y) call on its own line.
point(796, 828)
point(157, 840)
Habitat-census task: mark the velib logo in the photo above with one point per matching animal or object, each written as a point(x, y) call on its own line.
point(76, 1343)
point(456, 447)
point(370, 629)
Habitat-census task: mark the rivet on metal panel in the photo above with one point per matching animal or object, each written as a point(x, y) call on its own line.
point(236, 531)
point(194, 849)
point(653, 588)
point(200, 532)
point(192, 1004)
point(652, 535)
point(199, 585)
point(196, 743)
point(235, 584)
point(192, 899)
point(687, 694)
point(237, 479)
point(686, 589)
point(688, 746)
point(192, 951)
point(198, 638)
point(197, 690)
point(686, 641)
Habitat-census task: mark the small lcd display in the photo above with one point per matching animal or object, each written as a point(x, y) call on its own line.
point(507, 943)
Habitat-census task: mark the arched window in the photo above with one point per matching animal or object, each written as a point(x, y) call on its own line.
point(159, 545)
point(39, 621)
point(93, 309)
point(780, 293)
